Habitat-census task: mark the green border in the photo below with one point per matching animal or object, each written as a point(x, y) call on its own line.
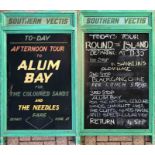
point(71, 29)
point(119, 29)
point(1, 138)
point(153, 78)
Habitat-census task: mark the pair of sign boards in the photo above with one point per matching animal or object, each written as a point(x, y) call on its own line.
point(60, 78)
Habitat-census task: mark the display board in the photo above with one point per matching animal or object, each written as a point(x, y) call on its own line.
point(63, 79)
point(116, 80)
point(39, 81)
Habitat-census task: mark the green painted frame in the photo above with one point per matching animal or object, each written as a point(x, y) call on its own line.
point(4, 29)
point(119, 29)
point(77, 68)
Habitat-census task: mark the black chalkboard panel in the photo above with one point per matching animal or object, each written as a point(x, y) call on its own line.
point(39, 81)
point(116, 81)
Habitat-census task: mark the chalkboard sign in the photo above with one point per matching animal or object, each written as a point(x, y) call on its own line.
point(116, 81)
point(39, 81)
